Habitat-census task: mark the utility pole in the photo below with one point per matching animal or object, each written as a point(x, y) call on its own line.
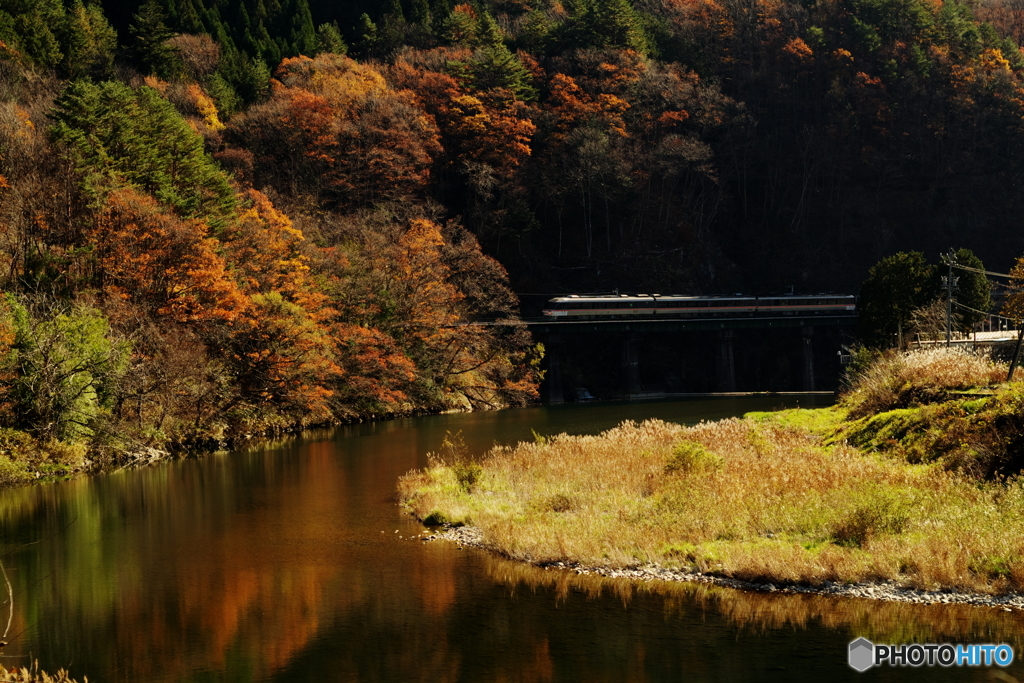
point(1016, 352)
point(950, 282)
point(949, 301)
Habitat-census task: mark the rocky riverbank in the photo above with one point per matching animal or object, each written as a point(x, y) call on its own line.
point(890, 591)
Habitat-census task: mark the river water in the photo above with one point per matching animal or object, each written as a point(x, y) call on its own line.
point(292, 562)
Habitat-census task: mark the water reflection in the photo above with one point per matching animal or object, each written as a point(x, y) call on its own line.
point(763, 613)
point(293, 563)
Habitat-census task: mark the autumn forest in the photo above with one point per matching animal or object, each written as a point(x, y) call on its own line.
point(220, 219)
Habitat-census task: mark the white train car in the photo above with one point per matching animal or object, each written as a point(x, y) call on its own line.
point(612, 306)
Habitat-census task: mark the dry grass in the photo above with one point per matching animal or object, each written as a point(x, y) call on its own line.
point(34, 675)
point(751, 499)
point(905, 379)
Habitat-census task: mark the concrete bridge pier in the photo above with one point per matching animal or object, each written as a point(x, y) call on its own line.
point(552, 353)
point(630, 367)
point(806, 333)
point(726, 362)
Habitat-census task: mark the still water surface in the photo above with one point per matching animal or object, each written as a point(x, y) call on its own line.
point(294, 563)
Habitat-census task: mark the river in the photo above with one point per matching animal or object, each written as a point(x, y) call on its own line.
point(293, 562)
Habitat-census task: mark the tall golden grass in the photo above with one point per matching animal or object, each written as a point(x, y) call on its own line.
point(901, 379)
point(948, 406)
point(750, 499)
point(34, 675)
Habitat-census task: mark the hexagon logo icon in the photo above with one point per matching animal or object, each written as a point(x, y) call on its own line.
point(862, 654)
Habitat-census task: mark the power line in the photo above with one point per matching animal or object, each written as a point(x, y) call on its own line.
point(983, 272)
point(994, 315)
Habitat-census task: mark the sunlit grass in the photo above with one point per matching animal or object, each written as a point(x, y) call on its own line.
point(905, 379)
point(33, 675)
point(754, 499)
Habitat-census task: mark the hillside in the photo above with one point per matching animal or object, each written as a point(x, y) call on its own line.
point(221, 219)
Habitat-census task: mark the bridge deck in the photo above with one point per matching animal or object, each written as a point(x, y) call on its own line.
point(656, 324)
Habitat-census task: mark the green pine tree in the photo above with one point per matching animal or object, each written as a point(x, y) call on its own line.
point(494, 66)
point(459, 28)
point(420, 14)
point(188, 18)
point(115, 134)
point(328, 39)
point(395, 10)
point(535, 32)
point(603, 24)
point(34, 37)
point(487, 32)
point(90, 42)
point(303, 33)
point(368, 41)
point(150, 34)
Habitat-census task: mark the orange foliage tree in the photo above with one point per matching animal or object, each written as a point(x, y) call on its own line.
point(292, 347)
point(404, 285)
point(336, 124)
point(171, 265)
point(283, 359)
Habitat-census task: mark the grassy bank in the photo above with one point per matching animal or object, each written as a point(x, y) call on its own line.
point(912, 478)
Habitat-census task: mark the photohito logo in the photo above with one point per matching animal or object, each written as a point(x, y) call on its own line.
point(863, 654)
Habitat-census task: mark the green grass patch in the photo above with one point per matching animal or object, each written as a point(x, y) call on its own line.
point(817, 420)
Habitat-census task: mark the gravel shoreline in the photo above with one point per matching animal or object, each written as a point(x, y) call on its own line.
point(473, 537)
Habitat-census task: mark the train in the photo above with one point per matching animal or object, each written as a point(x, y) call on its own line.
point(615, 306)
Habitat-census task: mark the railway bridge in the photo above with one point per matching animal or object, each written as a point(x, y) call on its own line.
point(637, 357)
